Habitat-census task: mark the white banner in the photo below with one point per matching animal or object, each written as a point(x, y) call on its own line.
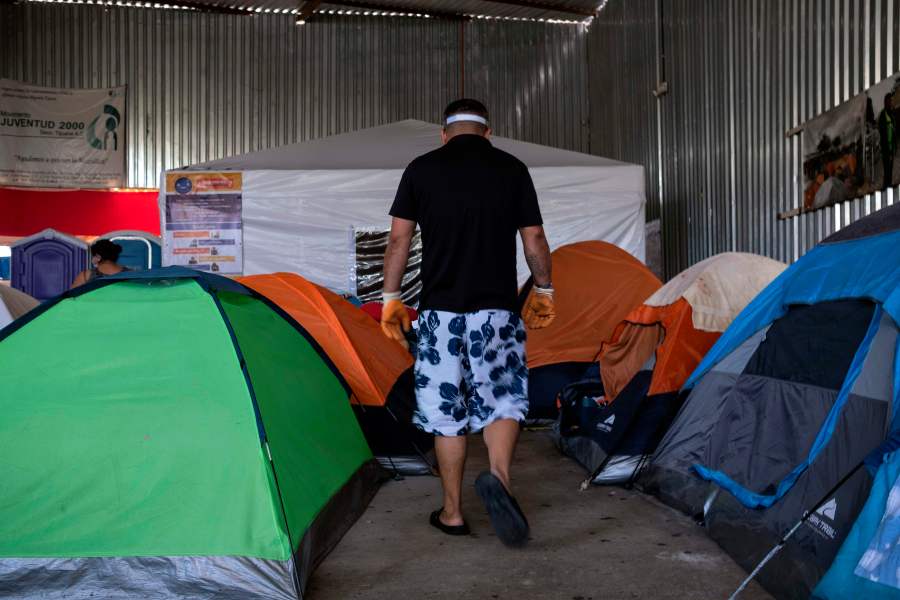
point(53, 137)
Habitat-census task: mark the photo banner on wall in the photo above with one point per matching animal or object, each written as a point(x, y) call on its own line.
point(203, 223)
point(853, 149)
point(61, 138)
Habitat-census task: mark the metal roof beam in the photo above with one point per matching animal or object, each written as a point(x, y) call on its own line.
point(210, 8)
point(379, 7)
point(307, 9)
point(548, 6)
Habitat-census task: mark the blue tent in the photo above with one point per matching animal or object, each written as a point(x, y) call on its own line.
point(867, 564)
point(799, 390)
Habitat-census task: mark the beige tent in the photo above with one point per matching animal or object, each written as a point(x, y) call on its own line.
point(681, 321)
point(719, 287)
point(13, 304)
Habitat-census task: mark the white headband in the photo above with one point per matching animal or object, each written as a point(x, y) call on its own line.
point(466, 117)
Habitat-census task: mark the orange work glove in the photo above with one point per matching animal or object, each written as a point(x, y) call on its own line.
point(395, 319)
point(539, 311)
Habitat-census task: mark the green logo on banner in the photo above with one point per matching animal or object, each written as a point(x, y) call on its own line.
point(108, 121)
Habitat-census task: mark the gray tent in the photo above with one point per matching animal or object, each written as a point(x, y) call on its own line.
point(790, 400)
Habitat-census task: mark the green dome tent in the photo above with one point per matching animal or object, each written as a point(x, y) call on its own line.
point(171, 434)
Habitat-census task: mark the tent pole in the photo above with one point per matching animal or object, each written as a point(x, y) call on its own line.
point(587, 482)
point(630, 427)
point(658, 435)
point(637, 470)
point(793, 530)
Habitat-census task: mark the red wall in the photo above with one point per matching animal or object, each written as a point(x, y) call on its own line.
point(76, 212)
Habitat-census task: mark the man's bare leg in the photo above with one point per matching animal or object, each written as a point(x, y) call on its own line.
point(507, 518)
point(451, 456)
point(500, 438)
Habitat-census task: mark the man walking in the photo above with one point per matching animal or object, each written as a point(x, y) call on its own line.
point(470, 201)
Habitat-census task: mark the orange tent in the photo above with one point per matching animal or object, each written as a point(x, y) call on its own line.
point(369, 362)
point(679, 323)
point(378, 371)
point(597, 284)
point(648, 358)
point(664, 331)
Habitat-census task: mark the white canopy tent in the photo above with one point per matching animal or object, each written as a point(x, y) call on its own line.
point(303, 202)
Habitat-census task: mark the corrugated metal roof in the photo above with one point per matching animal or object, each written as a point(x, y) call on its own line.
point(542, 10)
point(523, 9)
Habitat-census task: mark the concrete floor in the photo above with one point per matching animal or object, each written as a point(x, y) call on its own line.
point(606, 543)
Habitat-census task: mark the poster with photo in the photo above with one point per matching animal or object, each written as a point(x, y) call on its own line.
point(203, 225)
point(851, 150)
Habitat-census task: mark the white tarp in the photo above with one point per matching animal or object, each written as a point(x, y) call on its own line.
point(302, 203)
point(52, 137)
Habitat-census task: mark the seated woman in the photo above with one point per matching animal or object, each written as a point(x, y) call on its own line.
point(104, 255)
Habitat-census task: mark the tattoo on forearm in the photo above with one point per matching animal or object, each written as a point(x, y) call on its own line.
point(539, 264)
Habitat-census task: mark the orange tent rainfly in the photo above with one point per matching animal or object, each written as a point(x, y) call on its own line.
point(648, 358)
point(596, 284)
point(377, 370)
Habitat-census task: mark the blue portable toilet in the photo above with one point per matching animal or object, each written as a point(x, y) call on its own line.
point(140, 250)
point(45, 264)
point(4, 262)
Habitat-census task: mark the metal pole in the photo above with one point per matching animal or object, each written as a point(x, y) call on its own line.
point(793, 530)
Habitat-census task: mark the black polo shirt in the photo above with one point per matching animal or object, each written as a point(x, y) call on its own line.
point(469, 199)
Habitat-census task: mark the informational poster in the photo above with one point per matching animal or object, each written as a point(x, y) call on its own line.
point(852, 150)
point(203, 227)
point(52, 137)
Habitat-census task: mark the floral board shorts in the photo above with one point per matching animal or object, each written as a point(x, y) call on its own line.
point(470, 371)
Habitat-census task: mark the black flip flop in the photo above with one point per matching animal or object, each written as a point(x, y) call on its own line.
point(435, 520)
point(507, 518)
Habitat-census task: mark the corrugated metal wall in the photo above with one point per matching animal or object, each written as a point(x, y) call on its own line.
point(535, 79)
point(719, 168)
point(203, 86)
point(621, 48)
point(740, 73)
point(7, 16)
